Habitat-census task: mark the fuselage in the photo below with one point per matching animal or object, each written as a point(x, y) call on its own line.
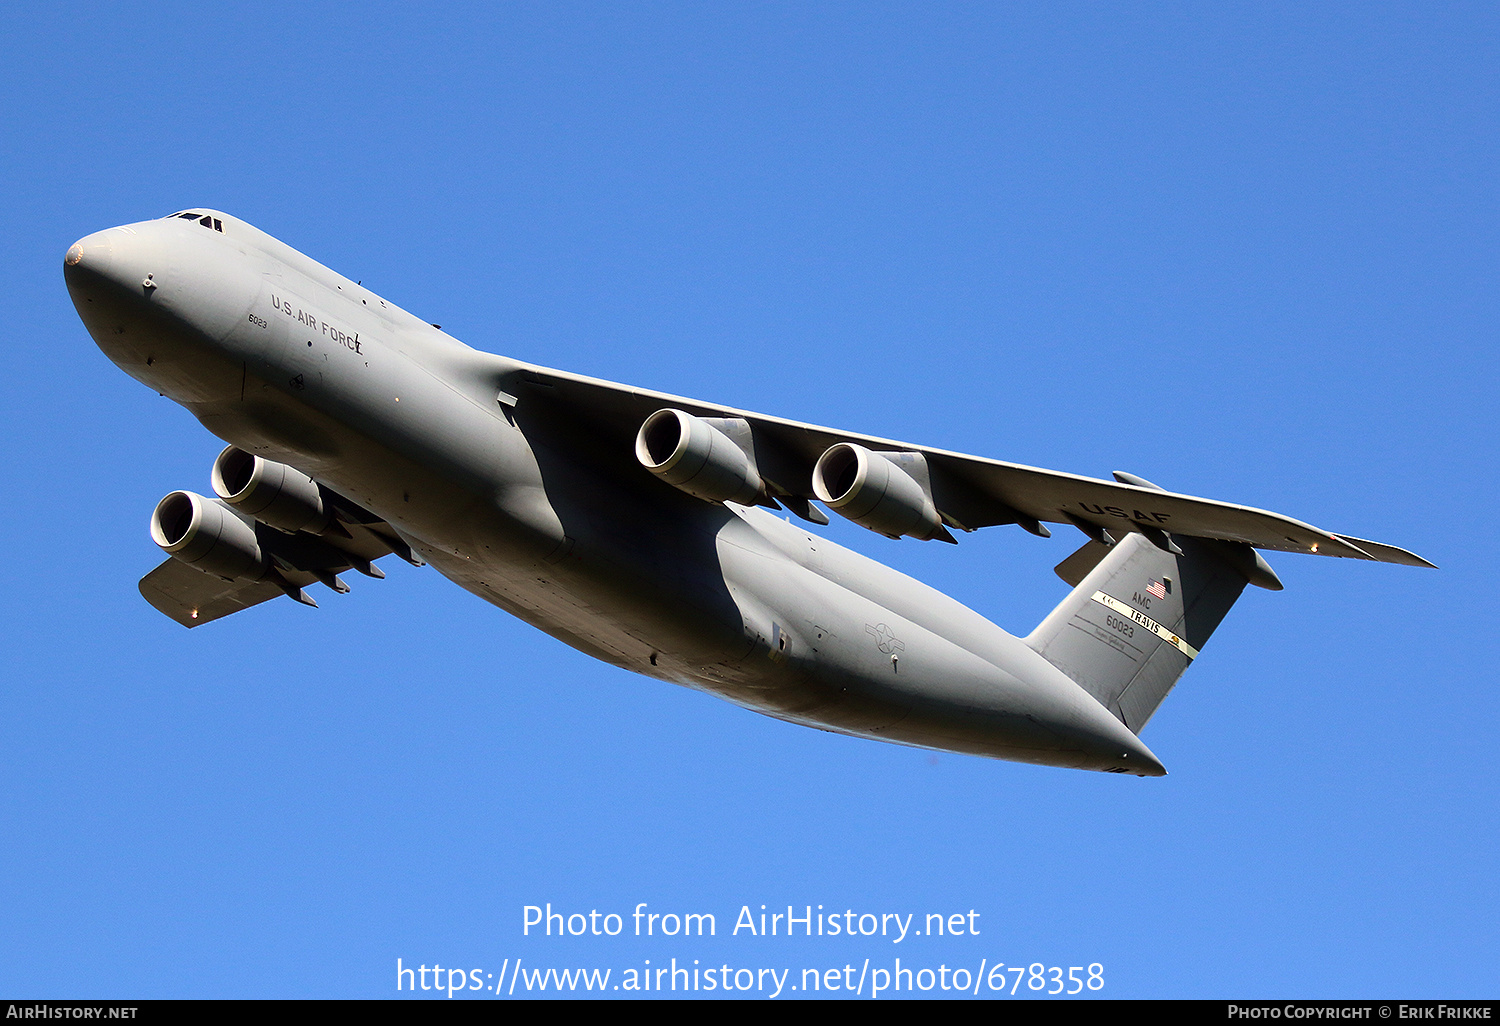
point(518, 502)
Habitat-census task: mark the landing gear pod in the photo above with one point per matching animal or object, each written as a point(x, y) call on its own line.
point(879, 490)
point(699, 457)
point(208, 535)
point(272, 493)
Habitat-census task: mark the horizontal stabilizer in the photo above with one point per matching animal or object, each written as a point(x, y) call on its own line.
point(1077, 566)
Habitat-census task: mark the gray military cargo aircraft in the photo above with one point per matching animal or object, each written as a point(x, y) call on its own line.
point(636, 526)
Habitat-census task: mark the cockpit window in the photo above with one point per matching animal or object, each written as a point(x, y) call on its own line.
point(206, 220)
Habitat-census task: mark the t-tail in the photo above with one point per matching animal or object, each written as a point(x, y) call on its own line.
point(1140, 612)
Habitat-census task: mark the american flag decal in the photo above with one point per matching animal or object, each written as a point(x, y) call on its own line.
point(1157, 588)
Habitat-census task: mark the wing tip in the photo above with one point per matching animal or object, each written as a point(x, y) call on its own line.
point(1383, 553)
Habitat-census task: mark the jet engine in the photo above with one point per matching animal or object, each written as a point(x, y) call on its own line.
point(210, 536)
point(272, 493)
point(698, 456)
point(879, 490)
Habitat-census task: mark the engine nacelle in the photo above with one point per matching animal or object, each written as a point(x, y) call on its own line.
point(698, 457)
point(874, 490)
point(272, 493)
point(210, 536)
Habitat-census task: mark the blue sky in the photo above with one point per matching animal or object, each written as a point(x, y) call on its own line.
point(1247, 251)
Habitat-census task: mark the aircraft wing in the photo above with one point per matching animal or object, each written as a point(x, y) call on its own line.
point(969, 491)
point(193, 597)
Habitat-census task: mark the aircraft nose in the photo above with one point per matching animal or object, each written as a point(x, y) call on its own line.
point(107, 261)
point(91, 261)
point(91, 250)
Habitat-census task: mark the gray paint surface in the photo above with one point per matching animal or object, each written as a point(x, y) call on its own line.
point(522, 484)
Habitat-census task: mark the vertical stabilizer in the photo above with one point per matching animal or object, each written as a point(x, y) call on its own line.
point(1139, 617)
